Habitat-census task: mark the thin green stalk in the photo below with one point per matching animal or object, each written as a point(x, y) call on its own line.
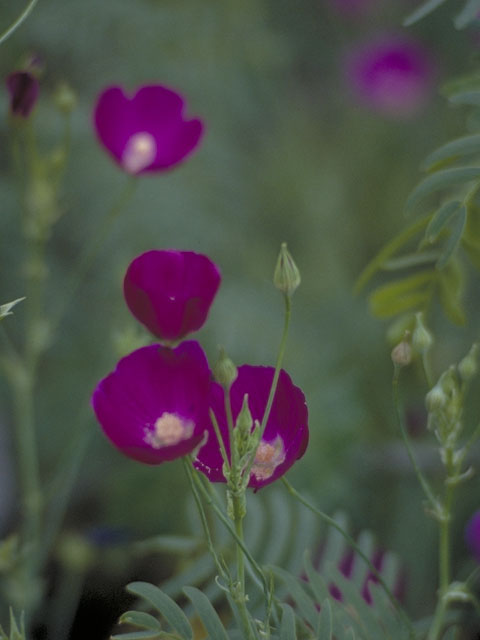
point(278, 366)
point(187, 465)
point(212, 499)
point(421, 478)
point(332, 523)
point(21, 18)
point(218, 433)
point(93, 250)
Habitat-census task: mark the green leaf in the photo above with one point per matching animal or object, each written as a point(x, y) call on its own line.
point(471, 98)
point(422, 11)
point(402, 295)
point(467, 14)
point(441, 180)
point(287, 626)
point(140, 619)
point(168, 544)
point(452, 150)
point(165, 605)
point(389, 250)
point(451, 284)
point(440, 219)
point(297, 591)
point(456, 234)
point(411, 260)
point(325, 627)
point(6, 309)
point(207, 613)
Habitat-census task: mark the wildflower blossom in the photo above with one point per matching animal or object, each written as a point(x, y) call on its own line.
point(391, 75)
point(147, 132)
point(23, 89)
point(286, 434)
point(472, 535)
point(154, 405)
point(170, 292)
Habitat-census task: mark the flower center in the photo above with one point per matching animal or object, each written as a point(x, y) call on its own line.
point(269, 455)
point(139, 152)
point(168, 430)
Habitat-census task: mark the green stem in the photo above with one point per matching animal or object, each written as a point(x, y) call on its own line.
point(93, 250)
point(332, 523)
point(190, 471)
point(278, 366)
point(21, 18)
point(421, 478)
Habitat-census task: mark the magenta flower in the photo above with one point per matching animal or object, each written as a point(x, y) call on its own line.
point(154, 406)
point(23, 89)
point(170, 292)
point(391, 75)
point(286, 434)
point(472, 535)
point(147, 132)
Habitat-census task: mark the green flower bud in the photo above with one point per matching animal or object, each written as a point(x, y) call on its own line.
point(468, 367)
point(422, 339)
point(402, 353)
point(243, 427)
point(436, 399)
point(224, 370)
point(286, 276)
point(65, 98)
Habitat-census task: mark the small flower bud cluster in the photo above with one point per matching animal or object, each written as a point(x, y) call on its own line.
point(445, 403)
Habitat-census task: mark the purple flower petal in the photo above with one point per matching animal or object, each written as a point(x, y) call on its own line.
point(472, 535)
point(23, 88)
point(146, 133)
point(286, 434)
point(154, 405)
point(170, 292)
point(391, 75)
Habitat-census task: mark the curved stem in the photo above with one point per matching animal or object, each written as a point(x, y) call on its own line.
point(332, 523)
point(421, 478)
point(21, 18)
point(93, 250)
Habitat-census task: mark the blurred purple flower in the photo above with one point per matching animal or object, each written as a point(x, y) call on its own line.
point(148, 132)
point(170, 292)
point(23, 88)
point(347, 567)
point(392, 75)
point(286, 434)
point(154, 405)
point(472, 535)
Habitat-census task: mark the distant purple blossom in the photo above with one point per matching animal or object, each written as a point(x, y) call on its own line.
point(23, 88)
point(286, 434)
point(171, 292)
point(147, 132)
point(391, 74)
point(154, 406)
point(472, 535)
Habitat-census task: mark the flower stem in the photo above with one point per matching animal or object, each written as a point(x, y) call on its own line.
point(190, 471)
point(21, 18)
point(88, 257)
point(421, 478)
point(278, 366)
point(332, 523)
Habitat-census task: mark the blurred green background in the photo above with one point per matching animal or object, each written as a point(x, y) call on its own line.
point(288, 156)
